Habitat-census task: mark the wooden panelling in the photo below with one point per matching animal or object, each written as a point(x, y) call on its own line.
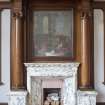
point(85, 76)
point(17, 64)
point(5, 5)
point(82, 40)
point(3, 103)
point(100, 103)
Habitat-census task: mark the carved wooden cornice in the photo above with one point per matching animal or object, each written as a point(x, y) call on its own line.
point(85, 9)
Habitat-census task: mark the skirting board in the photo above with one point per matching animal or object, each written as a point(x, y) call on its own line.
point(101, 103)
point(3, 103)
point(7, 103)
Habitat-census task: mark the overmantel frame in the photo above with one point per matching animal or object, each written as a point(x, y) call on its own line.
point(47, 7)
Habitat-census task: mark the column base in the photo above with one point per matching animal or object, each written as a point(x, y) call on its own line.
point(18, 98)
point(86, 97)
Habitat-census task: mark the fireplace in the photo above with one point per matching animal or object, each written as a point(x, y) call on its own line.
point(50, 77)
point(53, 84)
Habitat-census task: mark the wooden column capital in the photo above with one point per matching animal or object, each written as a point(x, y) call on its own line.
point(85, 14)
point(18, 14)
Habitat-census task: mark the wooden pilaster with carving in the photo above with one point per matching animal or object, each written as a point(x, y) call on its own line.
point(85, 72)
point(17, 81)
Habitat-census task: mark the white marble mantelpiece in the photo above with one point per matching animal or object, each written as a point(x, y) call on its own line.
point(50, 70)
point(67, 71)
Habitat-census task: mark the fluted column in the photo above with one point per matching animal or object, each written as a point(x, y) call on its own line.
point(85, 73)
point(17, 81)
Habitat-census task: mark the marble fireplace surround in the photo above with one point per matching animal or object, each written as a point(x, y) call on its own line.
point(68, 71)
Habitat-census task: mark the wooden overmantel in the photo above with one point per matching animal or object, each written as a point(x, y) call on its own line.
point(83, 36)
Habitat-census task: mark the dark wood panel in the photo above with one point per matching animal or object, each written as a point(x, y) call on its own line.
point(3, 103)
point(98, 5)
point(100, 103)
point(54, 4)
point(5, 5)
point(51, 1)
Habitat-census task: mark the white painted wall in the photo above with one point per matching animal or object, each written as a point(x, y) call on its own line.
point(5, 54)
point(99, 54)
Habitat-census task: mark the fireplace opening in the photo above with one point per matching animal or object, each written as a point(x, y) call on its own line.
point(51, 96)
